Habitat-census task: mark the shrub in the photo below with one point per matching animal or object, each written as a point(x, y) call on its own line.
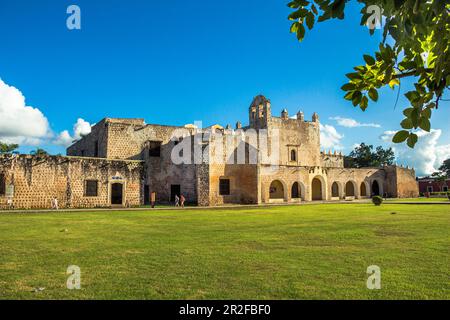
point(377, 200)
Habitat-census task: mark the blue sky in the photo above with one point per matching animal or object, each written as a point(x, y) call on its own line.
point(180, 61)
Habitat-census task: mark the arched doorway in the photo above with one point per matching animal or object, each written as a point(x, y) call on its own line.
point(335, 190)
point(349, 189)
point(276, 190)
point(363, 190)
point(117, 194)
point(295, 191)
point(375, 188)
point(316, 187)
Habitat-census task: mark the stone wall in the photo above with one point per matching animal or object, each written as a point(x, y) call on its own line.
point(97, 139)
point(301, 136)
point(406, 185)
point(37, 180)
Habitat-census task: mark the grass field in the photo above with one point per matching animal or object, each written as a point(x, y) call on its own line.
point(294, 252)
point(419, 200)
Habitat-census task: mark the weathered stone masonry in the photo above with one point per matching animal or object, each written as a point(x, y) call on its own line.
point(37, 180)
point(123, 160)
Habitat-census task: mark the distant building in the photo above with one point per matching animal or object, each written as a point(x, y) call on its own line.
point(429, 184)
point(122, 161)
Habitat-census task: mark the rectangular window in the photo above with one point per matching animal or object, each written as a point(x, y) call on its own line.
point(444, 189)
point(155, 149)
point(2, 185)
point(91, 188)
point(430, 189)
point(224, 187)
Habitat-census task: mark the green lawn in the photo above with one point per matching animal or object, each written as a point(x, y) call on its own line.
point(422, 199)
point(295, 252)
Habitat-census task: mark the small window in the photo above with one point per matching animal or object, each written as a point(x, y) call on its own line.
point(224, 187)
point(2, 185)
point(155, 149)
point(91, 188)
point(430, 189)
point(293, 155)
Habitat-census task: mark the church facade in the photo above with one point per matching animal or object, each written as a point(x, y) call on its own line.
point(271, 160)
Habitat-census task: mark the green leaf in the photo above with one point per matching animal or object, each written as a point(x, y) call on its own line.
point(412, 140)
point(415, 114)
point(294, 27)
point(426, 113)
point(364, 103)
point(412, 96)
point(407, 124)
point(310, 20)
point(424, 124)
point(356, 98)
point(407, 112)
point(369, 60)
point(349, 95)
point(348, 87)
point(300, 32)
point(373, 94)
point(353, 76)
point(400, 136)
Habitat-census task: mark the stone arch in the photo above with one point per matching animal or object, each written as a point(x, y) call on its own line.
point(335, 190)
point(376, 188)
point(318, 188)
point(295, 191)
point(363, 190)
point(350, 189)
point(277, 190)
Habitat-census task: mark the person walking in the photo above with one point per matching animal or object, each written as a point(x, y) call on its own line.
point(182, 200)
point(177, 201)
point(153, 199)
point(55, 203)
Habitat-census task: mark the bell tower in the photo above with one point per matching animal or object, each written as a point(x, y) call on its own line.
point(259, 112)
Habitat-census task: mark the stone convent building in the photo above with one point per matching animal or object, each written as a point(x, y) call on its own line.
point(122, 161)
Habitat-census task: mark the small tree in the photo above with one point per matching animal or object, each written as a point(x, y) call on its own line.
point(445, 167)
point(7, 148)
point(442, 175)
point(377, 200)
point(364, 156)
point(39, 152)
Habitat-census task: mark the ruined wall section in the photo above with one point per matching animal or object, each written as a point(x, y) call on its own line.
point(93, 145)
point(162, 172)
point(332, 160)
point(37, 180)
point(401, 182)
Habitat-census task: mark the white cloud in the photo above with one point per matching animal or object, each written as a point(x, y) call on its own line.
point(63, 139)
point(352, 123)
point(426, 157)
point(28, 126)
point(81, 128)
point(330, 138)
point(20, 123)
